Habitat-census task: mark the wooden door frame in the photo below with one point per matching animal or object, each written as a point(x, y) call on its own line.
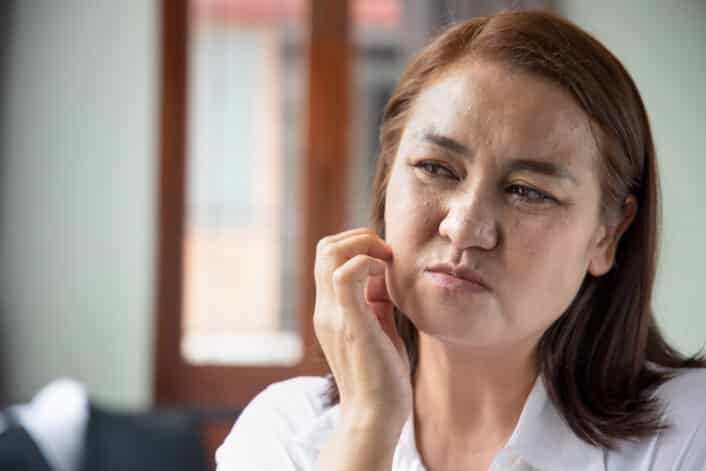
point(322, 206)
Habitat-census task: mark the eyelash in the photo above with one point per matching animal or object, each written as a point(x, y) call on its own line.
point(425, 165)
point(523, 189)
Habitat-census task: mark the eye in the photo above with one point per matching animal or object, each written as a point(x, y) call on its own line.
point(530, 195)
point(435, 169)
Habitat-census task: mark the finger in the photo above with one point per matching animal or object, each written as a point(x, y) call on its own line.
point(332, 255)
point(349, 288)
point(366, 244)
point(333, 238)
point(325, 243)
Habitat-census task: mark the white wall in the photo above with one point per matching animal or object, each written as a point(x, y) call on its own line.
point(662, 46)
point(77, 197)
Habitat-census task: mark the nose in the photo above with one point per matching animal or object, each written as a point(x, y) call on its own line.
point(470, 221)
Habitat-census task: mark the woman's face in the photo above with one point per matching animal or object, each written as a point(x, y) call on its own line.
point(495, 172)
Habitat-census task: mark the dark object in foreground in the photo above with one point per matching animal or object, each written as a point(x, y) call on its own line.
point(118, 442)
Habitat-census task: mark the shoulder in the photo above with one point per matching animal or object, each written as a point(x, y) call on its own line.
point(287, 404)
point(263, 430)
point(684, 395)
point(683, 399)
point(303, 390)
point(682, 445)
point(298, 398)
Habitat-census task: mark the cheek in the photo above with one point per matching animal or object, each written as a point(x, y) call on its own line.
point(409, 212)
point(547, 261)
point(409, 228)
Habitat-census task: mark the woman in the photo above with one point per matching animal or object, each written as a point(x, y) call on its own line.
point(499, 315)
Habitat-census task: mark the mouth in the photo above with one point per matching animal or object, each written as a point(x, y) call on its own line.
point(456, 277)
point(452, 283)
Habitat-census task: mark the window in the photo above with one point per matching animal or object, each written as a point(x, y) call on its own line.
point(259, 104)
point(241, 230)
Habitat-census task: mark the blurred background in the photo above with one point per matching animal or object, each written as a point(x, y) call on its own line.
point(167, 167)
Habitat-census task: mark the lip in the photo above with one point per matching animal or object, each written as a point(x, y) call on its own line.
point(456, 275)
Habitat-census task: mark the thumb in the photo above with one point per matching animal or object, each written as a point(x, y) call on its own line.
point(385, 315)
point(376, 289)
point(383, 310)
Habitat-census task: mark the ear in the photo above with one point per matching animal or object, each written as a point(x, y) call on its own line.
point(608, 237)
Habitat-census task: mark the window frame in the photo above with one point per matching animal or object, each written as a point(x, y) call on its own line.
point(322, 205)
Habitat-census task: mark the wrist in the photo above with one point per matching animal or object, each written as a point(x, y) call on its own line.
point(355, 446)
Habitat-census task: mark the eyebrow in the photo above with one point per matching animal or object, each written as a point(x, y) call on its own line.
point(446, 142)
point(549, 169)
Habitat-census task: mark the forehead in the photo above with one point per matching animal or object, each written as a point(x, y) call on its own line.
point(506, 114)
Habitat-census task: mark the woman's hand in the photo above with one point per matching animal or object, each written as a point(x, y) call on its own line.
point(353, 321)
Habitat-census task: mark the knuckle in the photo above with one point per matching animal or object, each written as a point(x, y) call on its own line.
point(323, 263)
point(321, 244)
point(360, 259)
point(340, 275)
point(329, 253)
point(347, 272)
point(325, 247)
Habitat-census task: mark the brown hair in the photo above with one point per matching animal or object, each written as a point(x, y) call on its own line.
point(593, 357)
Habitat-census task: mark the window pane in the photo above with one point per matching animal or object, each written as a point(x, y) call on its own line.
point(245, 99)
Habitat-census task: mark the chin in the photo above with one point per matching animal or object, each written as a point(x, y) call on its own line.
point(457, 328)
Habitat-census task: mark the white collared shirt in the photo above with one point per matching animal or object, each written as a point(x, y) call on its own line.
point(56, 419)
point(286, 425)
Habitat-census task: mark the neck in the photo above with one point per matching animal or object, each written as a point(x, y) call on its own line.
point(462, 391)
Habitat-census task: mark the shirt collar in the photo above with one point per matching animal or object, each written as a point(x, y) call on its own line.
point(306, 445)
point(544, 439)
point(541, 438)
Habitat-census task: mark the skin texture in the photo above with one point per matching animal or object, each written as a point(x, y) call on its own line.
point(453, 197)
